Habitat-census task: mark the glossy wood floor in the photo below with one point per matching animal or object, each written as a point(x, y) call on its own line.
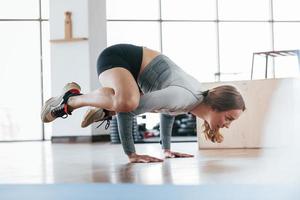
point(43, 162)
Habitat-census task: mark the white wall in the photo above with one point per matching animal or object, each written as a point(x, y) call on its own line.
point(76, 61)
point(272, 117)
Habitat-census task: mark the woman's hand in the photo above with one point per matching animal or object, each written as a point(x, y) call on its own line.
point(135, 158)
point(170, 154)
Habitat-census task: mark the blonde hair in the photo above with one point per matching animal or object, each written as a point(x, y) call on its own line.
point(221, 98)
point(214, 136)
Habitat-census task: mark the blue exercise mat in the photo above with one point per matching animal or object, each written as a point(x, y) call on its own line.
point(148, 192)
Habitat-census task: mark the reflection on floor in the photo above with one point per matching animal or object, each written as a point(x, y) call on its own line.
point(43, 162)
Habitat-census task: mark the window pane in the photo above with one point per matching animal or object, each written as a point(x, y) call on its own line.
point(45, 9)
point(46, 72)
point(20, 81)
point(138, 33)
point(189, 9)
point(238, 41)
point(19, 9)
point(286, 37)
point(244, 10)
point(286, 9)
point(193, 47)
point(132, 9)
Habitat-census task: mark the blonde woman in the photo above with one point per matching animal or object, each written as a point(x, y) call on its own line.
point(136, 80)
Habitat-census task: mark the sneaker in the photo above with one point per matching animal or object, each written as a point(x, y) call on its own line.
point(96, 115)
point(57, 106)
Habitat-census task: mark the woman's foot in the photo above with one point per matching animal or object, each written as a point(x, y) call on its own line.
point(57, 106)
point(96, 115)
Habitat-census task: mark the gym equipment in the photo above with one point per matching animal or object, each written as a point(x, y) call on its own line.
point(274, 54)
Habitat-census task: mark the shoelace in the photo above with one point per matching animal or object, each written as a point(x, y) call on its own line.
point(107, 120)
point(59, 112)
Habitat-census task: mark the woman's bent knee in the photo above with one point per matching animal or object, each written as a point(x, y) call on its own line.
point(126, 105)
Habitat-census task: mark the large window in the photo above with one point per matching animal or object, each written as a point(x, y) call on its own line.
point(24, 41)
point(213, 40)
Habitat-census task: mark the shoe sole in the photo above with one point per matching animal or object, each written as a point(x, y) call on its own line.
point(46, 116)
point(89, 116)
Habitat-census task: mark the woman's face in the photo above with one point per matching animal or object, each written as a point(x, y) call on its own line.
point(217, 120)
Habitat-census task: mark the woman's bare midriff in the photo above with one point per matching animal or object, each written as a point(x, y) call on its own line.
point(148, 56)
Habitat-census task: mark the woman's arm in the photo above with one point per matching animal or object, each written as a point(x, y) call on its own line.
point(166, 125)
point(125, 121)
point(125, 131)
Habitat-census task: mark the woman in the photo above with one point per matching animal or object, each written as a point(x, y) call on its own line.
point(136, 80)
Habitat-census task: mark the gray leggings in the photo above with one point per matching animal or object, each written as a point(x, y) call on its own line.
point(167, 90)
